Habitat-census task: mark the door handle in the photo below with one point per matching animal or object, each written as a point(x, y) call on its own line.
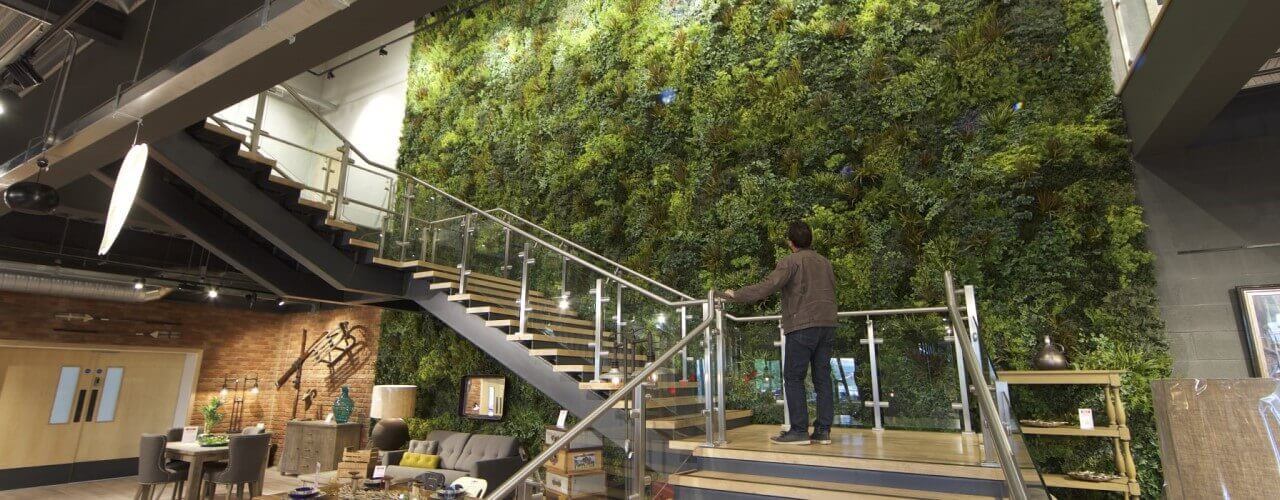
point(79, 405)
point(93, 403)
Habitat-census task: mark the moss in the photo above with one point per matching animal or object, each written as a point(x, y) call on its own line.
point(916, 136)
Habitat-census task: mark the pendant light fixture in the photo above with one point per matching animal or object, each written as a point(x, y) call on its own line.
point(135, 162)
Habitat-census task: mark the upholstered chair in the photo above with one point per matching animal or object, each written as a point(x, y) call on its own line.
point(246, 457)
point(152, 470)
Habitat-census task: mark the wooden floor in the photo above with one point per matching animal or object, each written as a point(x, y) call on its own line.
point(939, 453)
point(124, 488)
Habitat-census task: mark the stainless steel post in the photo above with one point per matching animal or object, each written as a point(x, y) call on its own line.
point(708, 392)
point(524, 288)
point(639, 449)
point(619, 349)
point(684, 353)
point(340, 194)
point(721, 439)
point(435, 238)
point(404, 224)
point(422, 244)
point(506, 252)
point(971, 322)
point(782, 381)
point(963, 381)
point(870, 341)
point(463, 270)
point(255, 134)
point(598, 345)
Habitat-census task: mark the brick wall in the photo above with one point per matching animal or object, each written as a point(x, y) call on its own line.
point(235, 342)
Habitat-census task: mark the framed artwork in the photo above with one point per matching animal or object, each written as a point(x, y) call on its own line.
point(1260, 311)
point(483, 397)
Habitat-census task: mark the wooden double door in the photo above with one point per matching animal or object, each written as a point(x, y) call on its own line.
point(77, 414)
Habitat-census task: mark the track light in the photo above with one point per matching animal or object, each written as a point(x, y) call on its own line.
point(382, 51)
point(213, 292)
point(139, 283)
point(280, 303)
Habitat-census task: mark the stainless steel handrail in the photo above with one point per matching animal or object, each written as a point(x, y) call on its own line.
point(996, 432)
point(535, 463)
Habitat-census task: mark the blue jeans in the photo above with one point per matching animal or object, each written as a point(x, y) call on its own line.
point(807, 349)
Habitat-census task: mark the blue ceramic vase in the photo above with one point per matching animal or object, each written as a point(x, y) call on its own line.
point(343, 406)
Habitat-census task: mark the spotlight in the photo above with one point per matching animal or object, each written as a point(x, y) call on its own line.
point(8, 100)
point(139, 283)
point(382, 51)
point(280, 303)
point(42, 162)
point(213, 292)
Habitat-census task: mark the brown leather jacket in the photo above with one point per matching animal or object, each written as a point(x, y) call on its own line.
point(808, 287)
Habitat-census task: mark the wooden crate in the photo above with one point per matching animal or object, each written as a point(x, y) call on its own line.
point(573, 462)
point(576, 486)
point(361, 462)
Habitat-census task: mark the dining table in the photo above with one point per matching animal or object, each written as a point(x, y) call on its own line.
point(196, 455)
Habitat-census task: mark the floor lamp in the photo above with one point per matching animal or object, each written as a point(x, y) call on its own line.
point(390, 405)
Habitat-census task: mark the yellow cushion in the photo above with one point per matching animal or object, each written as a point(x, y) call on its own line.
point(420, 460)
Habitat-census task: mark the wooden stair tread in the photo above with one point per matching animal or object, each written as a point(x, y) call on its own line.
point(214, 127)
point(690, 420)
point(613, 386)
point(578, 368)
point(338, 224)
point(538, 337)
point(537, 325)
point(664, 402)
point(475, 297)
point(318, 205)
point(800, 488)
point(1064, 481)
point(285, 181)
point(488, 289)
point(356, 242)
point(255, 157)
point(532, 315)
point(576, 353)
point(487, 281)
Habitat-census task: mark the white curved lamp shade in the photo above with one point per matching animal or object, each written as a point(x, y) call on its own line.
point(393, 401)
point(122, 196)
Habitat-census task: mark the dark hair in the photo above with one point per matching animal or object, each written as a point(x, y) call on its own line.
point(799, 234)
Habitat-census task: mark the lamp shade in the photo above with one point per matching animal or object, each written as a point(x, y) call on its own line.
point(393, 401)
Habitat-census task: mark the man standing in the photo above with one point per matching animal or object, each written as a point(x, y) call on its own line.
point(808, 287)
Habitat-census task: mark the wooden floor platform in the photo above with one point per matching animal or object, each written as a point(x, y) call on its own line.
point(915, 452)
point(801, 488)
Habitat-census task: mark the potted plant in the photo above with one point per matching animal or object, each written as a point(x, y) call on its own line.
point(212, 413)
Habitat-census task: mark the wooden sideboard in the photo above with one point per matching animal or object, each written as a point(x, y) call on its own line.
point(307, 442)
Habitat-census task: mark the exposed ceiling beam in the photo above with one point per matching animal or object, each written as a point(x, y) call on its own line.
point(1197, 58)
point(99, 22)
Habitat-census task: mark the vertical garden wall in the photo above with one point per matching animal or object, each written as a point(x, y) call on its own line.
point(678, 136)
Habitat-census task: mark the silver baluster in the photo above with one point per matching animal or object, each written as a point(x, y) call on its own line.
point(870, 341)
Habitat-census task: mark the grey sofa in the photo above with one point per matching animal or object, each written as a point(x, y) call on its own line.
point(483, 456)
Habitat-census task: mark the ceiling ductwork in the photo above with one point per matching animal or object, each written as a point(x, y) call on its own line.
point(61, 282)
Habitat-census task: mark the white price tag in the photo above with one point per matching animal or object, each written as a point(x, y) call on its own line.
point(379, 471)
point(1086, 418)
point(189, 434)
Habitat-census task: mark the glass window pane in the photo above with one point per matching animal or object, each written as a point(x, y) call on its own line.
point(110, 394)
point(67, 381)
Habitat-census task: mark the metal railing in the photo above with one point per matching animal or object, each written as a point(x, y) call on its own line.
point(413, 228)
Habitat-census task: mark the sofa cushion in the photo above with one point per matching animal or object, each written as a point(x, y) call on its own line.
point(451, 448)
point(401, 474)
point(420, 460)
point(486, 447)
point(425, 446)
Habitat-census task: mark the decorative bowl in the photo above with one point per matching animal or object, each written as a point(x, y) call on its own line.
point(302, 492)
point(1092, 476)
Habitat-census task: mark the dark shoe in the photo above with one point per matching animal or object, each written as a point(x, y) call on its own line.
point(820, 435)
point(790, 437)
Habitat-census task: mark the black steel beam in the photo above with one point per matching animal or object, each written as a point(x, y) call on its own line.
point(180, 212)
point(99, 22)
point(217, 180)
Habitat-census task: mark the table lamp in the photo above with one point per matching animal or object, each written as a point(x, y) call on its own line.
point(391, 404)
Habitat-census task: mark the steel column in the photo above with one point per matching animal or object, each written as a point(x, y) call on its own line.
point(870, 341)
point(524, 288)
point(466, 253)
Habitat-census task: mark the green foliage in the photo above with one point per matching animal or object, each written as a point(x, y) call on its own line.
point(212, 413)
point(915, 136)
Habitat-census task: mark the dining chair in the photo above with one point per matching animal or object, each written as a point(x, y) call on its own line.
point(153, 471)
point(246, 457)
point(175, 436)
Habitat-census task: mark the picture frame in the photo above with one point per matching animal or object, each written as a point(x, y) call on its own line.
point(1260, 315)
point(483, 397)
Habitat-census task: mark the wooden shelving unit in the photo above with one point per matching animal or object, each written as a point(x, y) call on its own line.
point(1117, 429)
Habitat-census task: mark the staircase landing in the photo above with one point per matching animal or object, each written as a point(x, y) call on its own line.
point(859, 463)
